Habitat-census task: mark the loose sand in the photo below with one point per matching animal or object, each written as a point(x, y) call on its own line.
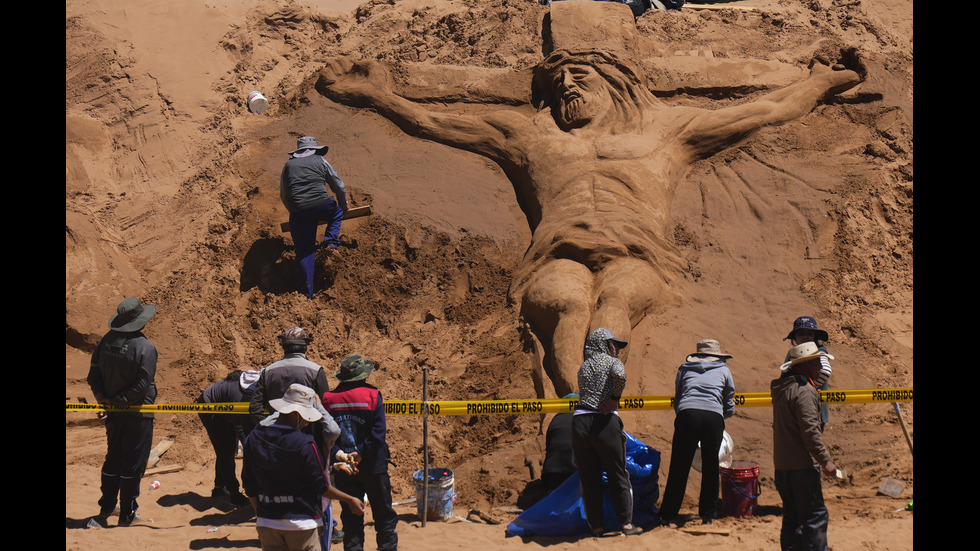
point(171, 195)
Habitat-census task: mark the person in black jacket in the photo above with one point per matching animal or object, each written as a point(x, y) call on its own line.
point(226, 430)
point(122, 373)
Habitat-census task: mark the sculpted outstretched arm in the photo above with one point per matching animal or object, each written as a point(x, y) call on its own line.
point(710, 131)
point(366, 84)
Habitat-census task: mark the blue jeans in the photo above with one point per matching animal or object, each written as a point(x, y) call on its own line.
point(302, 227)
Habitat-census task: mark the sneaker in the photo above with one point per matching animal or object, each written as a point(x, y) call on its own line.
point(632, 531)
point(219, 492)
point(97, 522)
point(337, 536)
point(137, 519)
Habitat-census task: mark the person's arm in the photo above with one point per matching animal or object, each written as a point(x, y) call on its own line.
point(336, 185)
point(710, 131)
point(256, 405)
point(366, 84)
point(94, 379)
point(808, 419)
point(728, 395)
point(356, 505)
point(145, 372)
point(616, 382)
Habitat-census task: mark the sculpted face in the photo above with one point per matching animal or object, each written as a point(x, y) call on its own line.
point(581, 94)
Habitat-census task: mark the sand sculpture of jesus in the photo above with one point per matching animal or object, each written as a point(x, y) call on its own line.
point(595, 169)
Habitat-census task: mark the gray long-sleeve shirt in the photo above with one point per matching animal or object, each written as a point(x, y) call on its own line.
point(304, 180)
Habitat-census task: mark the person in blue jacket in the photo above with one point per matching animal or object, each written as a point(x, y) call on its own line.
point(704, 396)
point(283, 475)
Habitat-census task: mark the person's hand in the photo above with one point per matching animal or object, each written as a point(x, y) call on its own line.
point(609, 406)
point(830, 468)
point(356, 506)
point(354, 457)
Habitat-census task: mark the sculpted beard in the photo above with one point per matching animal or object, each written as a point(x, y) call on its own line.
point(576, 110)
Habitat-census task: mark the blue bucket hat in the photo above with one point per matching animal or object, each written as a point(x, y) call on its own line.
point(807, 322)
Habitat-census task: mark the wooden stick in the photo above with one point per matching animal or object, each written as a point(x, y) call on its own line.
point(905, 429)
point(353, 212)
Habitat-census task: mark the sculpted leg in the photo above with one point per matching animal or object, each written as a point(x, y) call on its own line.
point(627, 289)
point(557, 305)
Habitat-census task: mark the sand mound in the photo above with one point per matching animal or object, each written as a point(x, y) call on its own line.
point(171, 196)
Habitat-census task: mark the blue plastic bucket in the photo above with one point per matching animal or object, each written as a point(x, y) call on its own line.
point(441, 494)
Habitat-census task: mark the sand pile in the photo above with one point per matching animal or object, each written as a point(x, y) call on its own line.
point(171, 196)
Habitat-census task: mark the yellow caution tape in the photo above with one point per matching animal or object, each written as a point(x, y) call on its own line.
point(520, 406)
point(227, 407)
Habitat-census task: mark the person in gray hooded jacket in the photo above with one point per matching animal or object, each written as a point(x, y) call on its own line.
point(704, 398)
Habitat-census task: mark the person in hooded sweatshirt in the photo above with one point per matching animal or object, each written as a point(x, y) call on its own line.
point(704, 397)
point(598, 442)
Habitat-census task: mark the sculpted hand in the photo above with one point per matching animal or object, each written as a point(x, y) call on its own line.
point(353, 82)
point(846, 74)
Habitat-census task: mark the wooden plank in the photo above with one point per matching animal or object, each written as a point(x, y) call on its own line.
point(164, 469)
point(353, 212)
point(706, 529)
point(156, 452)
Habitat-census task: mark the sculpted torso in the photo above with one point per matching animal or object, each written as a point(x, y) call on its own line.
point(595, 169)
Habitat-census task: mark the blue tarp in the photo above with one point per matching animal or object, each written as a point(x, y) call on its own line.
point(560, 513)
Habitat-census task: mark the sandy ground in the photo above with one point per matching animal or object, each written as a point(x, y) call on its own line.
point(171, 195)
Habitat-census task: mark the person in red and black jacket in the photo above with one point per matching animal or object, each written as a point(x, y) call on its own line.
point(362, 453)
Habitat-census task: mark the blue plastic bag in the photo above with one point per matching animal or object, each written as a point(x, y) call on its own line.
point(561, 513)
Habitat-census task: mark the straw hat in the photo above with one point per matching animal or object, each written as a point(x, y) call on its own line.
point(804, 353)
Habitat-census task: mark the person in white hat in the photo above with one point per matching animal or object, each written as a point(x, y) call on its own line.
point(704, 396)
point(303, 190)
point(799, 452)
point(122, 373)
point(283, 476)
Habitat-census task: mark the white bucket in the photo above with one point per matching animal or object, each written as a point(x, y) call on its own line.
point(257, 103)
point(724, 453)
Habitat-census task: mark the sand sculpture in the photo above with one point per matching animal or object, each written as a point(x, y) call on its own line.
point(594, 169)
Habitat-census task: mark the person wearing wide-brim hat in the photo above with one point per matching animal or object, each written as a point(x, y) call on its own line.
point(122, 373)
point(799, 453)
point(359, 410)
point(303, 190)
point(284, 475)
point(805, 330)
point(704, 396)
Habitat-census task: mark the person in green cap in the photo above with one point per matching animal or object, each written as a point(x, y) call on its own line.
point(362, 453)
point(122, 373)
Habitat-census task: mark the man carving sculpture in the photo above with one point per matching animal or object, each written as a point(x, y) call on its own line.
point(594, 169)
